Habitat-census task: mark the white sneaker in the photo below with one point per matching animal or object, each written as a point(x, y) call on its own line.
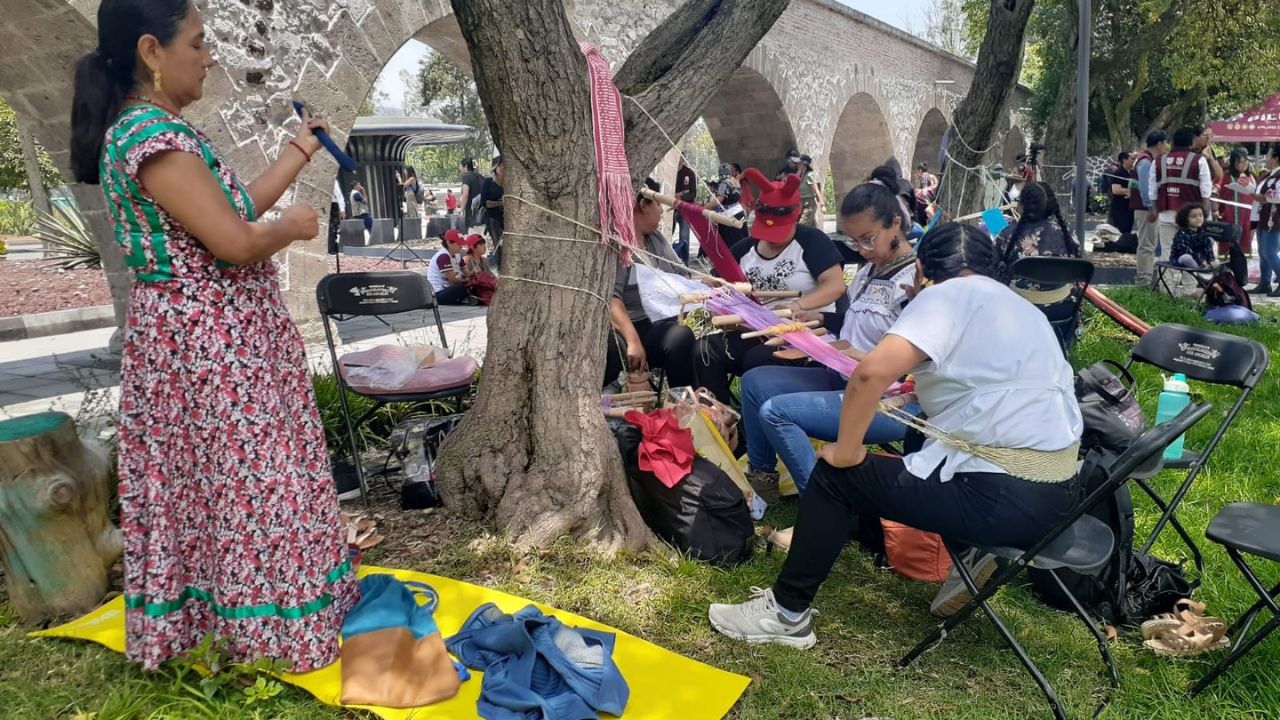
point(954, 595)
point(760, 620)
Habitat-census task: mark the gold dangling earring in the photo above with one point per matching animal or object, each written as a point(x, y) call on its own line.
point(158, 82)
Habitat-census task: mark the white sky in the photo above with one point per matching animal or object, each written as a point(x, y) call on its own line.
point(898, 13)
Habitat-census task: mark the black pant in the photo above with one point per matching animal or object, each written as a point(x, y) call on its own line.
point(667, 345)
point(452, 295)
point(494, 225)
point(970, 509)
point(335, 222)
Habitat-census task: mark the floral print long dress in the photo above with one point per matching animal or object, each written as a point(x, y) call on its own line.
point(229, 512)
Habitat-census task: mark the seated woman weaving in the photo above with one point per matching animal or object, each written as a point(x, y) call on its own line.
point(638, 343)
point(990, 377)
point(782, 407)
point(779, 255)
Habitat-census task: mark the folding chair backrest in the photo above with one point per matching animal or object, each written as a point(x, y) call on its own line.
point(1205, 355)
point(1056, 285)
point(1223, 232)
point(373, 293)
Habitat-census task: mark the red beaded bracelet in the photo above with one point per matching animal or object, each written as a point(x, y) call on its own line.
point(301, 149)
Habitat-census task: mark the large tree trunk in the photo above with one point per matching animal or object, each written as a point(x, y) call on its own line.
point(56, 541)
point(977, 119)
point(534, 456)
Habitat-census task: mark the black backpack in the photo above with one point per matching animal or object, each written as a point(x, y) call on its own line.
point(1133, 586)
point(705, 514)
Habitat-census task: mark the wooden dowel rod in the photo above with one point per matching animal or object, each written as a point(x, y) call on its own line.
point(695, 298)
point(637, 395)
point(770, 331)
point(975, 216)
point(780, 341)
point(732, 320)
point(713, 216)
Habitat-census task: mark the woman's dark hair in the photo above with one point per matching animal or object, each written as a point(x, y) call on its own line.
point(923, 167)
point(1184, 215)
point(951, 248)
point(469, 164)
point(1236, 156)
point(652, 185)
point(105, 76)
point(1039, 203)
point(880, 194)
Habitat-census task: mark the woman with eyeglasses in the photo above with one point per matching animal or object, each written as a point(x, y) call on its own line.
point(782, 407)
point(780, 254)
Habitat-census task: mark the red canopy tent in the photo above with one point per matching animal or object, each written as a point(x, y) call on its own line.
point(1256, 125)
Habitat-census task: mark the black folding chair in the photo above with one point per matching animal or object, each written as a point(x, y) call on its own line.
point(1081, 543)
point(1203, 276)
point(377, 294)
point(1250, 528)
point(1056, 285)
point(1205, 356)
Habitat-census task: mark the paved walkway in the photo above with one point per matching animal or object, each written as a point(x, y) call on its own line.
point(56, 372)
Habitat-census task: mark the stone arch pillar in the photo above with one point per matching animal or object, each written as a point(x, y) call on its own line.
point(749, 122)
point(861, 142)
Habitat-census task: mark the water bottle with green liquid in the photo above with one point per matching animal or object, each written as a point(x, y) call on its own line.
point(1175, 397)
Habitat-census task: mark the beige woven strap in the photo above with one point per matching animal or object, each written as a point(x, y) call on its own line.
point(1044, 297)
point(1035, 465)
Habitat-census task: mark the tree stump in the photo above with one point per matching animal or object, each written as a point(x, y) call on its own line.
point(56, 541)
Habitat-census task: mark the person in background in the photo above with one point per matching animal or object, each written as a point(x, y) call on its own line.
point(792, 166)
point(1192, 246)
point(1268, 198)
point(782, 255)
point(782, 407)
point(429, 201)
point(1180, 177)
point(450, 202)
point(988, 371)
point(476, 273)
point(1117, 182)
point(470, 192)
point(924, 180)
point(360, 205)
point(639, 342)
point(810, 192)
point(448, 284)
point(230, 518)
point(1236, 188)
point(409, 187)
point(1142, 203)
point(1040, 230)
point(1204, 146)
point(686, 190)
point(495, 219)
point(337, 213)
point(726, 197)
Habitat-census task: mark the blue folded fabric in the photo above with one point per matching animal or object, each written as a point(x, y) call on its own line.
point(538, 668)
point(386, 602)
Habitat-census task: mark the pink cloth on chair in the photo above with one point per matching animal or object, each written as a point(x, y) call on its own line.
point(445, 375)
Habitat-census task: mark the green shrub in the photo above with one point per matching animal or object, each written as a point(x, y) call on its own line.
point(69, 240)
point(16, 218)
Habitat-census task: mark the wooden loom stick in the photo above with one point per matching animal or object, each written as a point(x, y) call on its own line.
point(790, 327)
point(619, 398)
point(735, 320)
point(780, 341)
point(713, 216)
point(975, 216)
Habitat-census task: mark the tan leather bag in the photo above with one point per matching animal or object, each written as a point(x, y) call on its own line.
point(389, 668)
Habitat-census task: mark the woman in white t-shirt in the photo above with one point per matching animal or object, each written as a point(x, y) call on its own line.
point(988, 370)
point(779, 255)
point(782, 407)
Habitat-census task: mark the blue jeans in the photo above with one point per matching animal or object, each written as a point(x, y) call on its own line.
point(782, 407)
point(1269, 252)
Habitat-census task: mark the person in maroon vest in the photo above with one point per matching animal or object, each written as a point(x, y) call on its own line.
point(1182, 176)
point(1141, 202)
point(1268, 197)
point(1236, 187)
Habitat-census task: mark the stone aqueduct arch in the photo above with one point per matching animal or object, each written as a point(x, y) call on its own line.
point(330, 52)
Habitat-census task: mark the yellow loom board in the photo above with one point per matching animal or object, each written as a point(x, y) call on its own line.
point(664, 685)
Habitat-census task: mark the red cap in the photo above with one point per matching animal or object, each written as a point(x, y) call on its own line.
point(473, 240)
point(777, 206)
point(453, 236)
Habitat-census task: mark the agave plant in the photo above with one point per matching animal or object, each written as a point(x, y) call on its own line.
point(68, 241)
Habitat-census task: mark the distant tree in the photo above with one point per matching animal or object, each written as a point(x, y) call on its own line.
point(13, 168)
point(449, 94)
point(944, 24)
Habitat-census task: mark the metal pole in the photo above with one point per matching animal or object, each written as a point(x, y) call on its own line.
point(1082, 116)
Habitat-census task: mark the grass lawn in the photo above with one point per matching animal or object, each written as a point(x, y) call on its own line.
point(869, 617)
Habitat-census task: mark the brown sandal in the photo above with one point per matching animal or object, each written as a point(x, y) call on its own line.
point(1185, 612)
point(1189, 640)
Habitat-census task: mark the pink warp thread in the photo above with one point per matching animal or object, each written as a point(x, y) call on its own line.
point(709, 239)
point(616, 197)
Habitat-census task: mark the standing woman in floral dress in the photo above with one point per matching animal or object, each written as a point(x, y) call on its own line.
point(229, 512)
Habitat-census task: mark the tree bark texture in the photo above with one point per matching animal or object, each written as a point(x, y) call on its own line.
point(56, 541)
point(533, 456)
point(679, 66)
point(1060, 129)
point(976, 121)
